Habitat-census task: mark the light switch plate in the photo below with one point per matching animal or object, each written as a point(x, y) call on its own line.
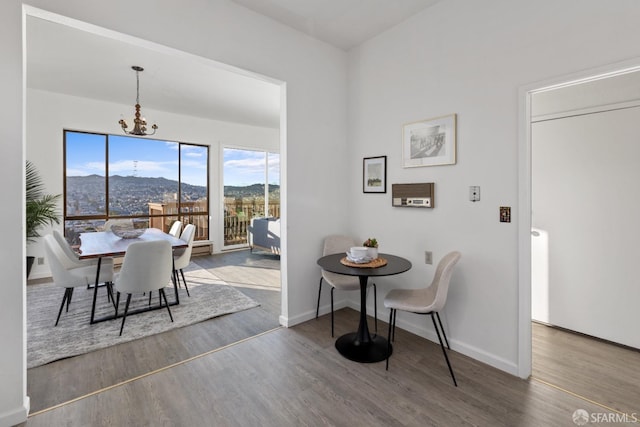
point(505, 213)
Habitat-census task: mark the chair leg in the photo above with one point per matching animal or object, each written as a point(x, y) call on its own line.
point(319, 292)
point(69, 298)
point(110, 293)
point(444, 351)
point(185, 282)
point(443, 332)
point(126, 309)
point(393, 335)
point(375, 306)
point(177, 276)
point(391, 311)
point(64, 300)
point(161, 292)
point(117, 302)
point(332, 288)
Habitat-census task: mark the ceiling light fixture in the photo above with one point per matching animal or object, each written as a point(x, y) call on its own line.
point(139, 123)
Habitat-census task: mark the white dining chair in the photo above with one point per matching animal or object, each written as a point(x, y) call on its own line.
point(68, 274)
point(183, 258)
point(146, 267)
point(340, 244)
point(430, 300)
point(176, 229)
point(106, 265)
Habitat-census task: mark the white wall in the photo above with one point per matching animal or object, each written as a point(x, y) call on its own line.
point(469, 58)
point(316, 83)
point(585, 177)
point(49, 113)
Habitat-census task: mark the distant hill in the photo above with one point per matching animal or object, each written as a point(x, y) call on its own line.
point(253, 190)
point(135, 185)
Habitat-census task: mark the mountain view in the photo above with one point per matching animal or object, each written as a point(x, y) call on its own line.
point(130, 195)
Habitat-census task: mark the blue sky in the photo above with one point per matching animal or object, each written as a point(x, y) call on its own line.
point(155, 158)
point(244, 167)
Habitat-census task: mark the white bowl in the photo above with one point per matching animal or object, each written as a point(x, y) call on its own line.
point(127, 231)
point(358, 252)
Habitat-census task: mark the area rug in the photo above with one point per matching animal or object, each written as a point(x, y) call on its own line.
point(210, 297)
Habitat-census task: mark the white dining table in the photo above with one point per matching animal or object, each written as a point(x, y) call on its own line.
point(97, 245)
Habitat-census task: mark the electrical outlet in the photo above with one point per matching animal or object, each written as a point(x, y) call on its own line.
point(40, 260)
point(474, 193)
point(428, 257)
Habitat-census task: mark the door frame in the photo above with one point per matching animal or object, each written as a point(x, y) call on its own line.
point(524, 191)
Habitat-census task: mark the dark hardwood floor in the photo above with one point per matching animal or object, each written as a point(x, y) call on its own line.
point(244, 370)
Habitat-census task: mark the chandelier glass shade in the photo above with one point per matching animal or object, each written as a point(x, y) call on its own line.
point(139, 122)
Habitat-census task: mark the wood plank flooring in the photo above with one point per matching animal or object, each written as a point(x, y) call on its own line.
point(242, 370)
point(295, 377)
point(600, 371)
point(61, 381)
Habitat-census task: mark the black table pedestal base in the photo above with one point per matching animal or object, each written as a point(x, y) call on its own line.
point(375, 350)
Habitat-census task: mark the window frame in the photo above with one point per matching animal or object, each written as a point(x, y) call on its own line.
point(182, 213)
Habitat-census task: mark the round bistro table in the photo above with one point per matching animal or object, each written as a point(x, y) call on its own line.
point(361, 346)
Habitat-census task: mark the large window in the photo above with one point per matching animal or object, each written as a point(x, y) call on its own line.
point(149, 181)
point(251, 189)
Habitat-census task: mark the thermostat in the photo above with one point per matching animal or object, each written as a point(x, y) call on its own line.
point(412, 195)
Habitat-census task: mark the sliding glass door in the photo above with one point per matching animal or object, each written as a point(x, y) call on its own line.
point(251, 189)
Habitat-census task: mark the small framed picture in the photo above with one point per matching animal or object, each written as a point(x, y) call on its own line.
point(430, 142)
point(374, 174)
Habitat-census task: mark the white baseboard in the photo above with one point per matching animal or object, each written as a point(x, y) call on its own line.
point(17, 415)
point(459, 346)
point(311, 314)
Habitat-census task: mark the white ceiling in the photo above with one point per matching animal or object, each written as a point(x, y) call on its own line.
point(342, 23)
point(67, 60)
point(71, 61)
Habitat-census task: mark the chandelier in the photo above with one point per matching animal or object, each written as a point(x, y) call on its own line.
point(139, 123)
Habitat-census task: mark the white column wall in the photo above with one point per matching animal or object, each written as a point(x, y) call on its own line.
point(469, 58)
point(315, 128)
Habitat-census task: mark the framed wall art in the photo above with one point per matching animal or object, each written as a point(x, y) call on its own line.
point(430, 142)
point(374, 174)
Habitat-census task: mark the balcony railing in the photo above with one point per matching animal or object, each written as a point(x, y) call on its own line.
point(237, 218)
point(191, 213)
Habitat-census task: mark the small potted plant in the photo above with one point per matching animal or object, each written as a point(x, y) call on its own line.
point(372, 247)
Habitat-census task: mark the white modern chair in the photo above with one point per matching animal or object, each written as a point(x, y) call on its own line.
point(106, 265)
point(430, 300)
point(68, 274)
point(184, 256)
point(176, 229)
point(146, 267)
point(335, 244)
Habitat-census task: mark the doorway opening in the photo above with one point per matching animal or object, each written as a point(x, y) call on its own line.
point(571, 148)
point(42, 28)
